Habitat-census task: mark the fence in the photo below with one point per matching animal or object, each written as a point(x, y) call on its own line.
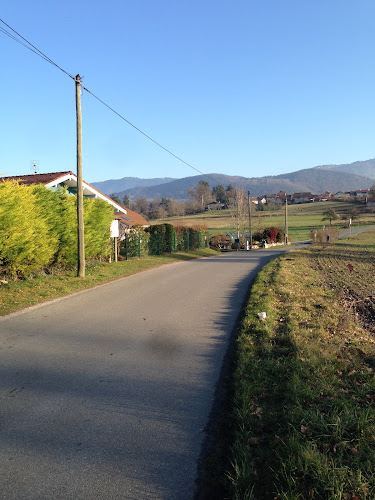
point(141, 243)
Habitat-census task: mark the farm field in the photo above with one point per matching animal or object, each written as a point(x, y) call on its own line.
point(302, 415)
point(301, 218)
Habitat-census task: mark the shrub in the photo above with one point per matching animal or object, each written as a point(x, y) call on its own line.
point(136, 242)
point(273, 235)
point(38, 228)
point(161, 238)
point(219, 241)
point(98, 215)
point(25, 243)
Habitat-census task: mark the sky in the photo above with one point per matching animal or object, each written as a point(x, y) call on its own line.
point(248, 87)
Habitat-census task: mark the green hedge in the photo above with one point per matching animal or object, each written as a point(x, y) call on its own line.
point(136, 243)
point(162, 238)
point(38, 228)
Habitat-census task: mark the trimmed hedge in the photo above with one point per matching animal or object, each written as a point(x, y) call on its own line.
point(38, 228)
point(162, 238)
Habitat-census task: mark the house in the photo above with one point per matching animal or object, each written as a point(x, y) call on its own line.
point(56, 180)
point(215, 205)
point(340, 195)
point(125, 223)
point(278, 198)
point(361, 193)
point(306, 197)
point(370, 201)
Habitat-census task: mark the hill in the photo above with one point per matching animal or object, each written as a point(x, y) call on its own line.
point(116, 185)
point(178, 188)
point(315, 180)
point(345, 177)
point(364, 168)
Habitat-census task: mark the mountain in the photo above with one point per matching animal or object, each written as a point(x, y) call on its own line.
point(346, 177)
point(315, 180)
point(116, 185)
point(364, 168)
point(178, 188)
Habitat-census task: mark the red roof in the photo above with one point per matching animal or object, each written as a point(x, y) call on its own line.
point(135, 219)
point(36, 178)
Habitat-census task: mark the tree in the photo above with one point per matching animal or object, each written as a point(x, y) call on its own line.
point(126, 200)
point(115, 198)
point(140, 206)
point(201, 194)
point(330, 215)
point(239, 210)
point(372, 190)
point(230, 194)
point(218, 192)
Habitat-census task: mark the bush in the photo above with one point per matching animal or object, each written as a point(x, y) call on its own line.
point(219, 241)
point(136, 242)
point(38, 228)
point(25, 243)
point(98, 215)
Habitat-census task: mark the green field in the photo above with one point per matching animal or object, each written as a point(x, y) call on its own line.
point(301, 218)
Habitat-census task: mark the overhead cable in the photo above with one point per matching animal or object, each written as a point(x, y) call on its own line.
point(39, 53)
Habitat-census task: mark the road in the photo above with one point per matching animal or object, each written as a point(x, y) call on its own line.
point(105, 394)
point(352, 231)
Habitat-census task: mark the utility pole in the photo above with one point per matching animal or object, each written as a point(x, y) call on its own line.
point(286, 220)
point(80, 223)
point(250, 225)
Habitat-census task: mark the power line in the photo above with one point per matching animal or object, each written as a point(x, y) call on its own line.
point(36, 50)
point(39, 53)
point(147, 136)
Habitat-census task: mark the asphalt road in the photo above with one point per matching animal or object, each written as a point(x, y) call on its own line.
point(105, 394)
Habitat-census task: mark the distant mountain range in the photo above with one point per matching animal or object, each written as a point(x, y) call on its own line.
point(333, 178)
point(126, 183)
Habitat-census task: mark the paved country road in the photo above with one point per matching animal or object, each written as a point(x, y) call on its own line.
point(105, 394)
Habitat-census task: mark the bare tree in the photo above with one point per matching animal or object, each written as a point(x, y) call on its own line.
point(239, 210)
point(201, 194)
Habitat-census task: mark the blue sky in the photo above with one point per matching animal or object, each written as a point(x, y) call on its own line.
point(246, 88)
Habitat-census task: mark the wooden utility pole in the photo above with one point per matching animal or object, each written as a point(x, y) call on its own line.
point(80, 223)
point(250, 225)
point(286, 220)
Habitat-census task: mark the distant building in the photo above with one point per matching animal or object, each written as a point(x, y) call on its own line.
point(215, 205)
point(303, 197)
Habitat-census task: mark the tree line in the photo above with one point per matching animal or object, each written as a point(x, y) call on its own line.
point(200, 196)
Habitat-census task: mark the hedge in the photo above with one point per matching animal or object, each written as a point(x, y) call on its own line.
point(38, 228)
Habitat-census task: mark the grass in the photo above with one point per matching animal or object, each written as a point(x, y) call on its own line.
point(16, 295)
point(302, 419)
point(300, 219)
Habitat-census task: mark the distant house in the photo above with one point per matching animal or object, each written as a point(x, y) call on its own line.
point(361, 193)
point(272, 198)
point(278, 198)
point(215, 205)
point(370, 201)
point(325, 196)
point(302, 197)
point(68, 180)
point(340, 195)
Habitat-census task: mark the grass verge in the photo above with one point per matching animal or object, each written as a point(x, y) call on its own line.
point(301, 422)
point(19, 294)
point(304, 417)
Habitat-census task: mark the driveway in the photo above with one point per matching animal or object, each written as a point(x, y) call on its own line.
point(105, 394)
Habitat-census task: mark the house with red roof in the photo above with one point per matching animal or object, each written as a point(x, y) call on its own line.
point(56, 180)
